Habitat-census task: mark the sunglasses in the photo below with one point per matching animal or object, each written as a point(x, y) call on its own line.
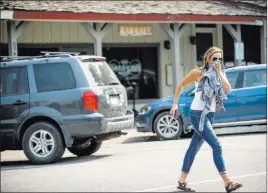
point(214, 59)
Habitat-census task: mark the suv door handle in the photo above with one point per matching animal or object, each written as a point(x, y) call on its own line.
point(19, 102)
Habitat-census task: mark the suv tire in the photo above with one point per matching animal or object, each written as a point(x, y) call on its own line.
point(161, 118)
point(92, 148)
point(43, 138)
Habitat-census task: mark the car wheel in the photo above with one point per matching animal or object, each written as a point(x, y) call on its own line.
point(42, 143)
point(92, 148)
point(166, 127)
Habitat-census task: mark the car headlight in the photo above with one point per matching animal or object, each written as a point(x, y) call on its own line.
point(145, 109)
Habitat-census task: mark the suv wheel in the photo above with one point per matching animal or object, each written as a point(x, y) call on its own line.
point(92, 148)
point(42, 143)
point(166, 127)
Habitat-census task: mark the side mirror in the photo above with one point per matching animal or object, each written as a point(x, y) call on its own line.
point(192, 93)
point(134, 84)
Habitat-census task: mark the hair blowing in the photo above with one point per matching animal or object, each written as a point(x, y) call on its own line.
point(207, 56)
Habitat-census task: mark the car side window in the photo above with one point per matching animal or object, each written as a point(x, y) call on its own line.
point(54, 77)
point(23, 83)
point(232, 78)
point(14, 81)
point(254, 78)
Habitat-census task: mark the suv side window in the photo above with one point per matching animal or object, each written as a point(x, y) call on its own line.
point(23, 83)
point(54, 77)
point(14, 81)
point(254, 78)
point(232, 78)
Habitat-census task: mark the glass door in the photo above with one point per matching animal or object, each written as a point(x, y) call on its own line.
point(135, 64)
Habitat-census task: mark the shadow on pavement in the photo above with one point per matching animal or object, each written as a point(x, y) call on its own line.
point(25, 164)
point(176, 190)
point(141, 139)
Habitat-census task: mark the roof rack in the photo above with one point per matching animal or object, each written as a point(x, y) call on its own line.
point(11, 58)
point(60, 53)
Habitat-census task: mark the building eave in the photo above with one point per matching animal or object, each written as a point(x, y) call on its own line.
point(66, 16)
point(127, 18)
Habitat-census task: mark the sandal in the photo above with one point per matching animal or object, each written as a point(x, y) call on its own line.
point(232, 187)
point(183, 186)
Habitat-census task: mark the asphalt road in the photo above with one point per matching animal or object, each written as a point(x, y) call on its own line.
point(140, 164)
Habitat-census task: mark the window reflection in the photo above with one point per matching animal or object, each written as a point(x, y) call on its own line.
point(135, 64)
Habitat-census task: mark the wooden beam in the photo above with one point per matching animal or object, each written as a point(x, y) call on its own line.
point(14, 30)
point(263, 40)
point(167, 29)
point(236, 35)
point(97, 32)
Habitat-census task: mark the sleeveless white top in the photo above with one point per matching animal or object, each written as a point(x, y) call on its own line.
point(199, 104)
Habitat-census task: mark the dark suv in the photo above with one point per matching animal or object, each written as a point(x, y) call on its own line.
point(54, 101)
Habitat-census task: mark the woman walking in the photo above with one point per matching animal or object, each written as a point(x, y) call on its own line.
point(210, 94)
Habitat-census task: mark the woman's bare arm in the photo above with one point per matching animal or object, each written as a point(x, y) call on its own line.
point(226, 84)
point(191, 77)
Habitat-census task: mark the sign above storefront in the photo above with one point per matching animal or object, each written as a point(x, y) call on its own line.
point(135, 30)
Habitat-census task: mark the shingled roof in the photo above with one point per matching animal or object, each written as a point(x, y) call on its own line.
point(143, 7)
point(259, 3)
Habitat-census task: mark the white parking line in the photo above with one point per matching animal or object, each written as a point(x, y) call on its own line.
point(201, 182)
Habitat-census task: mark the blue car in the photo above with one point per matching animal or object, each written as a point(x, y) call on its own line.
point(246, 105)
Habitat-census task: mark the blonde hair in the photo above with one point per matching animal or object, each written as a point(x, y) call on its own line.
point(207, 56)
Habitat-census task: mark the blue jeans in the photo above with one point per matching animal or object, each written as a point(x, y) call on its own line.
point(198, 139)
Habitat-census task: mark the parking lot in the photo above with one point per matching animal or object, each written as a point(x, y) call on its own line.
point(140, 163)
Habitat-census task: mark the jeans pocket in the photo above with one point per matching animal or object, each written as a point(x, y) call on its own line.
point(193, 119)
point(190, 120)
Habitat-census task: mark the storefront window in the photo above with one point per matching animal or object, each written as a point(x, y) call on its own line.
point(35, 51)
point(203, 42)
point(135, 64)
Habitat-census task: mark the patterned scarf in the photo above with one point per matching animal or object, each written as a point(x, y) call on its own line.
point(211, 85)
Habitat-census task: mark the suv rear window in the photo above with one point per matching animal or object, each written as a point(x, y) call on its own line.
point(54, 77)
point(100, 73)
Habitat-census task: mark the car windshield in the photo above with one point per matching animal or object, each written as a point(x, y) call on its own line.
point(100, 74)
